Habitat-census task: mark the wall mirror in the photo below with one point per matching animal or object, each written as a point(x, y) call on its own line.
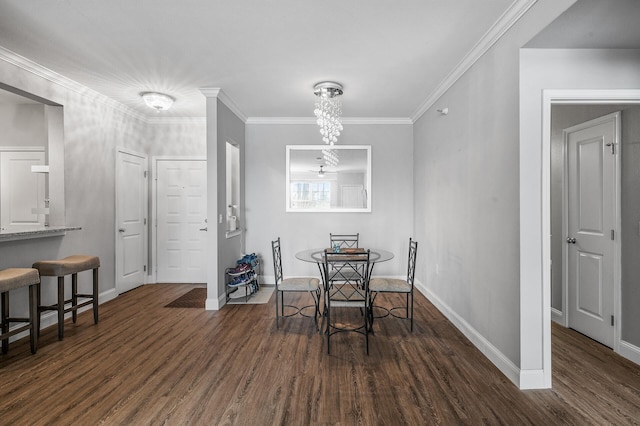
point(316, 185)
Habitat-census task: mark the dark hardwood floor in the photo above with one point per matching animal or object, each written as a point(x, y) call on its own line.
point(146, 364)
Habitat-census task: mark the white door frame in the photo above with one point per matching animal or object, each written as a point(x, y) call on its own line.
point(617, 243)
point(117, 222)
point(154, 204)
point(562, 97)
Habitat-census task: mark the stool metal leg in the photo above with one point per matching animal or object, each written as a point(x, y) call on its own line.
point(33, 315)
point(38, 304)
point(74, 296)
point(60, 308)
point(5, 321)
point(95, 296)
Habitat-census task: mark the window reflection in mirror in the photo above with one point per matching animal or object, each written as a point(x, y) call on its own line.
point(316, 185)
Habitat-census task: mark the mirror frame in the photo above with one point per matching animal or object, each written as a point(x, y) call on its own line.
point(368, 190)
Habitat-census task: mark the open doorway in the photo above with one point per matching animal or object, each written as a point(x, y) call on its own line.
point(578, 106)
point(567, 303)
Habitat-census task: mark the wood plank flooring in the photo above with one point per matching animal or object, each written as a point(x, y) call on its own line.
point(146, 364)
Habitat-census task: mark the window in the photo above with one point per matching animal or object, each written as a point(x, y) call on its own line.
point(314, 195)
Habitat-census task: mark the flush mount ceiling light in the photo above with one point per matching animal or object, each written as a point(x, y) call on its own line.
point(329, 116)
point(157, 101)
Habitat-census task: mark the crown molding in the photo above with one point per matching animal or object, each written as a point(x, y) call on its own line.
point(36, 69)
point(497, 30)
point(216, 92)
point(210, 92)
point(313, 120)
point(177, 120)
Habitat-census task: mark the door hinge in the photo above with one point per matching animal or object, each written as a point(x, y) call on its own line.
point(145, 270)
point(145, 173)
point(612, 321)
point(145, 221)
point(613, 234)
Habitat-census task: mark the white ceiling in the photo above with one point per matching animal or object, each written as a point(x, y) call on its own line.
point(265, 55)
point(593, 24)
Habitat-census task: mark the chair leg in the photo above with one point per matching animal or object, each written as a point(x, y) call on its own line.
point(5, 321)
point(95, 296)
point(38, 304)
point(411, 312)
point(74, 296)
point(316, 301)
point(277, 311)
point(366, 327)
point(33, 314)
point(406, 311)
point(60, 308)
point(328, 327)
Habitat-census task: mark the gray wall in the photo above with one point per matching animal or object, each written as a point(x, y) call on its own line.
point(22, 125)
point(93, 129)
point(467, 195)
point(388, 226)
point(230, 129)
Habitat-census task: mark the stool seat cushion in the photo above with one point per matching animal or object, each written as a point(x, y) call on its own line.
point(18, 277)
point(68, 265)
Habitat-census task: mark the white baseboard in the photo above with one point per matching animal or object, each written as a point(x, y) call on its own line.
point(214, 304)
point(630, 351)
point(532, 379)
point(504, 364)
point(557, 316)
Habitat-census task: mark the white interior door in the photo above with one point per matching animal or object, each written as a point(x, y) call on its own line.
point(181, 215)
point(21, 190)
point(131, 220)
point(592, 161)
point(352, 196)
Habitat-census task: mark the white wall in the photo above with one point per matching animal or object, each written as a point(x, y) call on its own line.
point(388, 226)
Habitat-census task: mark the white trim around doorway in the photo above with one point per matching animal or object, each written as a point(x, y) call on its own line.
point(564, 97)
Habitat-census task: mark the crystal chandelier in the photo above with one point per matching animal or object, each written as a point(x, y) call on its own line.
point(329, 116)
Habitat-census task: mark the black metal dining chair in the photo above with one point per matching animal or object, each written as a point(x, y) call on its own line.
point(344, 240)
point(292, 285)
point(395, 285)
point(343, 290)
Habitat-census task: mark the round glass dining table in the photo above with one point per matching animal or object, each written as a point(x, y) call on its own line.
point(316, 255)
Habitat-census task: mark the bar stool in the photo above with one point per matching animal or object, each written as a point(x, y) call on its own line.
point(10, 279)
point(70, 265)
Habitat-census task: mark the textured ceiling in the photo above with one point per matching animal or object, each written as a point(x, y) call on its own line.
point(264, 55)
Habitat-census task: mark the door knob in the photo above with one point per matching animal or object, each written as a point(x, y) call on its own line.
point(571, 240)
point(121, 230)
point(203, 229)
